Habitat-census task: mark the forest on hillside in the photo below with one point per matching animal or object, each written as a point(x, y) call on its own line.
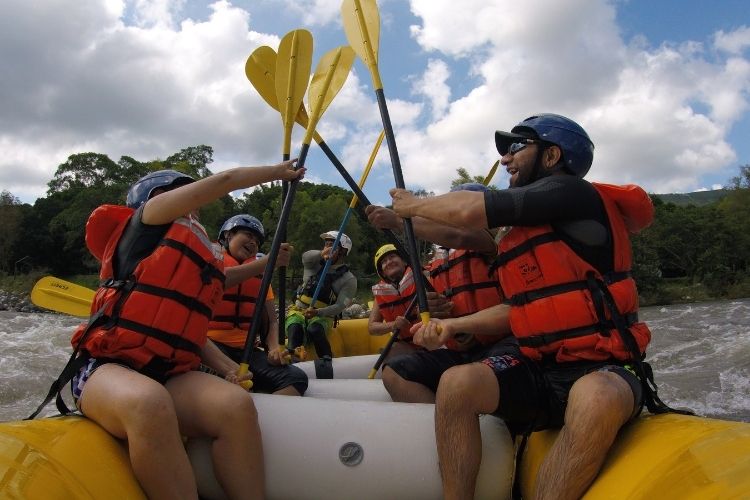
point(705, 243)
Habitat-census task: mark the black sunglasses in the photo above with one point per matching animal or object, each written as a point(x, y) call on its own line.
point(518, 146)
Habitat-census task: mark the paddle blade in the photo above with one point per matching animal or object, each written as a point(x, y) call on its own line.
point(362, 27)
point(293, 72)
point(329, 77)
point(62, 296)
point(491, 173)
point(260, 69)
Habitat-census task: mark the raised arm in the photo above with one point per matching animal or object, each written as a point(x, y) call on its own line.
point(179, 202)
point(237, 274)
point(459, 209)
point(442, 234)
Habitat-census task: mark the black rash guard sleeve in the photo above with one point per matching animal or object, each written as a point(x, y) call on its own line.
point(571, 205)
point(137, 242)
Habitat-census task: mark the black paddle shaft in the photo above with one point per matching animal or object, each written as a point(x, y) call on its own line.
point(362, 200)
point(392, 340)
point(399, 178)
point(282, 270)
point(273, 254)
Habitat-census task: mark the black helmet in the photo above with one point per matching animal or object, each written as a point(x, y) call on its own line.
point(577, 148)
point(243, 221)
point(141, 191)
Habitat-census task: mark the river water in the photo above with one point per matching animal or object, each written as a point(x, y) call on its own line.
point(700, 354)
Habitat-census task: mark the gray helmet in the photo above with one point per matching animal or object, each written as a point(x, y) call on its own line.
point(577, 148)
point(243, 221)
point(141, 191)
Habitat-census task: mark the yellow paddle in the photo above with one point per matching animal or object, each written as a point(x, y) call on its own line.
point(260, 69)
point(491, 173)
point(329, 77)
point(62, 296)
point(293, 69)
point(362, 26)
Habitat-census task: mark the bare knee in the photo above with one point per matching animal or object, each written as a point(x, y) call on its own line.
point(471, 388)
point(236, 409)
point(151, 411)
point(391, 379)
point(602, 397)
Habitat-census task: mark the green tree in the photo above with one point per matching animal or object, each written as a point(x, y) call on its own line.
point(464, 178)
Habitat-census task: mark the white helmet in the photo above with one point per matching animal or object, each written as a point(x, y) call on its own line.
point(345, 241)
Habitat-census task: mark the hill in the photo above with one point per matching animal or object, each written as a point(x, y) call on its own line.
point(698, 198)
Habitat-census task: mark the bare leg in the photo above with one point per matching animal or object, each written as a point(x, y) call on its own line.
point(209, 406)
point(599, 404)
point(288, 391)
point(464, 392)
point(132, 406)
point(405, 391)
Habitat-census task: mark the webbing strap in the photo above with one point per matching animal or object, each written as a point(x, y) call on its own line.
point(450, 292)
point(208, 271)
point(602, 327)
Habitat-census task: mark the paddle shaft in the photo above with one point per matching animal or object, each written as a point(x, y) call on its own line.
point(398, 176)
point(391, 341)
point(362, 200)
point(282, 270)
point(273, 254)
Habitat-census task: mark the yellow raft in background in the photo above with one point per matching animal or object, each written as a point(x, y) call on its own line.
point(351, 338)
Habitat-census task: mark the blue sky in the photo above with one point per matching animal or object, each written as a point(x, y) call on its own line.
point(662, 87)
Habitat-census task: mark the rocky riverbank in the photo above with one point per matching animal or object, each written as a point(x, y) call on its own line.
point(19, 302)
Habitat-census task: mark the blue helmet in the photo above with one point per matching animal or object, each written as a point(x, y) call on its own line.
point(243, 221)
point(141, 191)
point(471, 186)
point(577, 148)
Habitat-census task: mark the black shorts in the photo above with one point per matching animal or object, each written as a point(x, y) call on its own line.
point(535, 397)
point(426, 367)
point(268, 378)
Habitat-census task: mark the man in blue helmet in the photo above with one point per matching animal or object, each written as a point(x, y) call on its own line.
point(573, 340)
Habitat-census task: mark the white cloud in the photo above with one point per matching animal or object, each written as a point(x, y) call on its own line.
point(433, 85)
point(94, 84)
point(733, 42)
point(658, 116)
point(315, 12)
point(83, 76)
point(156, 13)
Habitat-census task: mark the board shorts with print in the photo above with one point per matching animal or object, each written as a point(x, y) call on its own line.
point(534, 396)
point(426, 367)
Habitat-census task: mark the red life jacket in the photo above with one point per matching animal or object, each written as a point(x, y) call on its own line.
point(237, 306)
point(393, 300)
point(234, 314)
point(158, 317)
point(467, 280)
point(563, 308)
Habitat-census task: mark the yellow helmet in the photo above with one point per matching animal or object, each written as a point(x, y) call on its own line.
point(382, 252)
